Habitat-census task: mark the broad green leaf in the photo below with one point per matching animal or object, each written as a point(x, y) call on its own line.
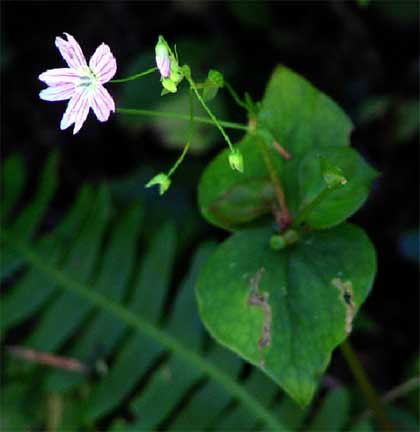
point(300, 118)
point(230, 199)
point(309, 126)
point(285, 311)
point(325, 205)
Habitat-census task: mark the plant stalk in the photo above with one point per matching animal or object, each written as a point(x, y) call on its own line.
point(278, 189)
point(152, 113)
point(136, 76)
point(211, 115)
point(366, 387)
point(189, 141)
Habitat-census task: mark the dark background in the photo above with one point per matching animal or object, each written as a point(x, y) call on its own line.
point(353, 54)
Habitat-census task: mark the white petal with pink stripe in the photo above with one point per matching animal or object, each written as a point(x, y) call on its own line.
point(81, 83)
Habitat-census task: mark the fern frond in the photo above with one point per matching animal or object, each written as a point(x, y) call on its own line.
point(82, 282)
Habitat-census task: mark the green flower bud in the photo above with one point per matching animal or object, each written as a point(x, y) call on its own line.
point(291, 236)
point(236, 161)
point(279, 242)
point(162, 180)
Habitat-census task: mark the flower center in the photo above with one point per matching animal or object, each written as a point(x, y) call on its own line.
point(88, 79)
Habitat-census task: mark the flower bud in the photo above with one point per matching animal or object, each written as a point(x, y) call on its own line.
point(277, 242)
point(162, 180)
point(280, 241)
point(163, 61)
point(236, 161)
point(170, 72)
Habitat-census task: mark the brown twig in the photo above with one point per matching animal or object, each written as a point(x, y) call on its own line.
point(47, 359)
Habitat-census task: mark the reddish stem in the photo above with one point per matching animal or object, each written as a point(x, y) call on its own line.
point(283, 152)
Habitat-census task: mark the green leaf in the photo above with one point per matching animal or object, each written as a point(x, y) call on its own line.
point(212, 84)
point(228, 198)
point(34, 289)
point(210, 400)
point(108, 291)
point(240, 418)
point(160, 339)
point(112, 281)
point(312, 129)
point(323, 204)
point(300, 118)
point(29, 219)
point(285, 311)
point(67, 311)
point(137, 354)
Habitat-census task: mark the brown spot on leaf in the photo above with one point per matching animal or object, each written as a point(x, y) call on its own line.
point(261, 299)
point(346, 291)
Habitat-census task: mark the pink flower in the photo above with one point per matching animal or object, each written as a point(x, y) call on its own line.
point(81, 83)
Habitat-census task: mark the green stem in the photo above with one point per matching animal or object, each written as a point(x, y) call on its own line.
point(143, 326)
point(190, 133)
point(365, 386)
point(136, 76)
point(235, 96)
point(207, 109)
point(151, 113)
point(397, 392)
